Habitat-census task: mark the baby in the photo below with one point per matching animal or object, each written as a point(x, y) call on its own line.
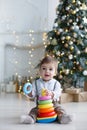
point(48, 69)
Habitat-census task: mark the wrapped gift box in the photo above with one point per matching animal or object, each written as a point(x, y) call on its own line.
point(10, 88)
point(66, 97)
point(85, 86)
point(80, 97)
point(73, 90)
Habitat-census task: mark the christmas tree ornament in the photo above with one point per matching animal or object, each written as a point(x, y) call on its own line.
point(66, 45)
point(62, 38)
point(75, 35)
point(70, 56)
point(80, 68)
point(68, 37)
point(70, 42)
point(86, 50)
point(67, 8)
point(63, 42)
point(78, 2)
point(81, 26)
point(67, 71)
point(77, 20)
point(78, 52)
point(63, 17)
point(77, 9)
point(60, 30)
point(72, 28)
point(50, 38)
point(73, 1)
point(84, 6)
point(58, 53)
point(71, 72)
point(85, 20)
point(66, 30)
point(58, 33)
point(71, 48)
point(70, 20)
point(73, 12)
point(85, 72)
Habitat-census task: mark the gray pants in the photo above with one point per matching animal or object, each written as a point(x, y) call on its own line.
point(58, 109)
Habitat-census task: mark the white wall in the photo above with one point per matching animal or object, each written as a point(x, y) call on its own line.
point(17, 19)
point(52, 4)
point(22, 14)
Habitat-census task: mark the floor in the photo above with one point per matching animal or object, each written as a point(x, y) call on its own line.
point(12, 106)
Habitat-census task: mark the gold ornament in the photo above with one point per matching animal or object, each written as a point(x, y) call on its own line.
point(73, 12)
point(71, 72)
point(80, 68)
point(58, 33)
point(66, 45)
point(74, 62)
point(55, 31)
point(62, 41)
point(73, 1)
point(61, 71)
point(71, 48)
point(68, 37)
point(74, 68)
point(66, 30)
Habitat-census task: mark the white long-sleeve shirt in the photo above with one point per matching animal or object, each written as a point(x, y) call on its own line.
point(52, 85)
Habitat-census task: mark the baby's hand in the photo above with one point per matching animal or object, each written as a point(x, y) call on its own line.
point(49, 93)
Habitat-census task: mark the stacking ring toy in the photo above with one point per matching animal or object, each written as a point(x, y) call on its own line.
point(44, 97)
point(25, 88)
point(46, 110)
point(45, 106)
point(45, 101)
point(47, 114)
point(47, 120)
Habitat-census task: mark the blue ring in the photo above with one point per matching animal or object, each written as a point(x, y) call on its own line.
point(46, 120)
point(26, 85)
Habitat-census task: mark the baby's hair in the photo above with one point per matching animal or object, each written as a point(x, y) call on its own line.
point(49, 59)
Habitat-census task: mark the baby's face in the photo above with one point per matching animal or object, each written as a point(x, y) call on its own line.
point(47, 71)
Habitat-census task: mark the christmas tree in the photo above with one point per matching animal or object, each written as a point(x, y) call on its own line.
point(67, 41)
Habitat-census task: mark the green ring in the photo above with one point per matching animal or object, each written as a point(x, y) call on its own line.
point(45, 102)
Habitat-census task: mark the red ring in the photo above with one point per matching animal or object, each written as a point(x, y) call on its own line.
point(47, 114)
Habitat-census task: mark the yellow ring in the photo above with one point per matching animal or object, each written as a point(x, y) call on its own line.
point(45, 106)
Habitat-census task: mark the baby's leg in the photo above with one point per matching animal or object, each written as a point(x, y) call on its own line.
point(30, 118)
point(63, 117)
point(26, 119)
